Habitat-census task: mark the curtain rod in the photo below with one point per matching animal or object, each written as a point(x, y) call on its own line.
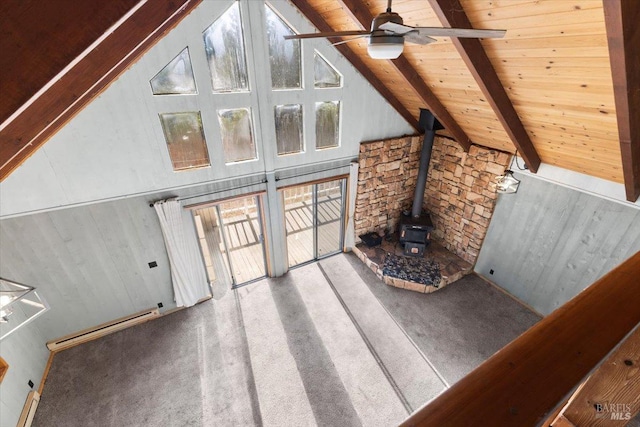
point(311, 173)
point(264, 180)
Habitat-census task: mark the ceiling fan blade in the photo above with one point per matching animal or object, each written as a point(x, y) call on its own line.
point(443, 32)
point(327, 34)
point(348, 40)
point(415, 37)
point(396, 28)
point(461, 32)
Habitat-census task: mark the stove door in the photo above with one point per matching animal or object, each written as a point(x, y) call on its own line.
point(414, 249)
point(413, 235)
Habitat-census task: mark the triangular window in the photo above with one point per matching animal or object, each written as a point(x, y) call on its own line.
point(176, 77)
point(325, 74)
point(224, 45)
point(284, 55)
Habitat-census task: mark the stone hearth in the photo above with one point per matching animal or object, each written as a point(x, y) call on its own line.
point(451, 266)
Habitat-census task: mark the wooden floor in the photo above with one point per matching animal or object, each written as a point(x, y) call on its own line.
point(246, 249)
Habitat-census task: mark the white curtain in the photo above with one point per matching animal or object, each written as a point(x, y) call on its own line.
point(187, 272)
point(349, 237)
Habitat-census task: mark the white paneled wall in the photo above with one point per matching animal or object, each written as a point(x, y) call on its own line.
point(546, 243)
point(115, 147)
point(90, 263)
point(27, 355)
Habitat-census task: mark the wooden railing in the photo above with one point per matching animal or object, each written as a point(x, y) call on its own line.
point(610, 396)
point(522, 383)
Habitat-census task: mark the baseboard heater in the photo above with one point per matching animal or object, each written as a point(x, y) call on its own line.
point(102, 330)
point(29, 410)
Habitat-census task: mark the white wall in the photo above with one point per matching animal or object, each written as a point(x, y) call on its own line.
point(25, 352)
point(90, 263)
point(115, 147)
point(547, 242)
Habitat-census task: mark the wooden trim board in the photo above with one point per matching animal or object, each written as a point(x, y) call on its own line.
point(212, 203)
point(621, 21)
point(315, 181)
point(4, 367)
point(29, 409)
point(615, 383)
point(46, 371)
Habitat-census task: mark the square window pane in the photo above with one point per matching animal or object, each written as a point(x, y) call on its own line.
point(327, 124)
point(237, 138)
point(185, 140)
point(288, 128)
point(284, 55)
point(224, 45)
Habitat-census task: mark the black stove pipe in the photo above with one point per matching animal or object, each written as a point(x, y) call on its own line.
point(429, 124)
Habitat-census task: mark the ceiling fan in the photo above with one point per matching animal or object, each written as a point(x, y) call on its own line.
point(388, 33)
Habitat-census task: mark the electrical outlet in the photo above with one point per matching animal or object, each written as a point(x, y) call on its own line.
point(153, 264)
point(160, 305)
point(491, 272)
point(30, 383)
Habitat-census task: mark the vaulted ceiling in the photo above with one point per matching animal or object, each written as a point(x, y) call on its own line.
point(545, 89)
point(562, 87)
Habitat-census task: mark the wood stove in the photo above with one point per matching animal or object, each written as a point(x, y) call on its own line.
point(415, 233)
point(416, 226)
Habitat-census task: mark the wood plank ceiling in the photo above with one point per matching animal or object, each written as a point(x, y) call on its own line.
point(553, 63)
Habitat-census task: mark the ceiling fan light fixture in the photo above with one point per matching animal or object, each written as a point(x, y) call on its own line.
point(388, 33)
point(385, 47)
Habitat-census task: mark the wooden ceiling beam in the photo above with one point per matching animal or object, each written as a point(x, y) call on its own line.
point(37, 38)
point(621, 19)
point(363, 16)
point(451, 14)
point(86, 58)
point(319, 22)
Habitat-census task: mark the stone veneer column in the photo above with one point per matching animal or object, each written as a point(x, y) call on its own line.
point(386, 180)
point(459, 194)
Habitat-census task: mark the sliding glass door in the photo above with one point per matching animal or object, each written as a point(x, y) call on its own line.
point(314, 217)
point(232, 242)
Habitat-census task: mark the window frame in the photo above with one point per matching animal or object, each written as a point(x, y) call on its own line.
point(202, 133)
